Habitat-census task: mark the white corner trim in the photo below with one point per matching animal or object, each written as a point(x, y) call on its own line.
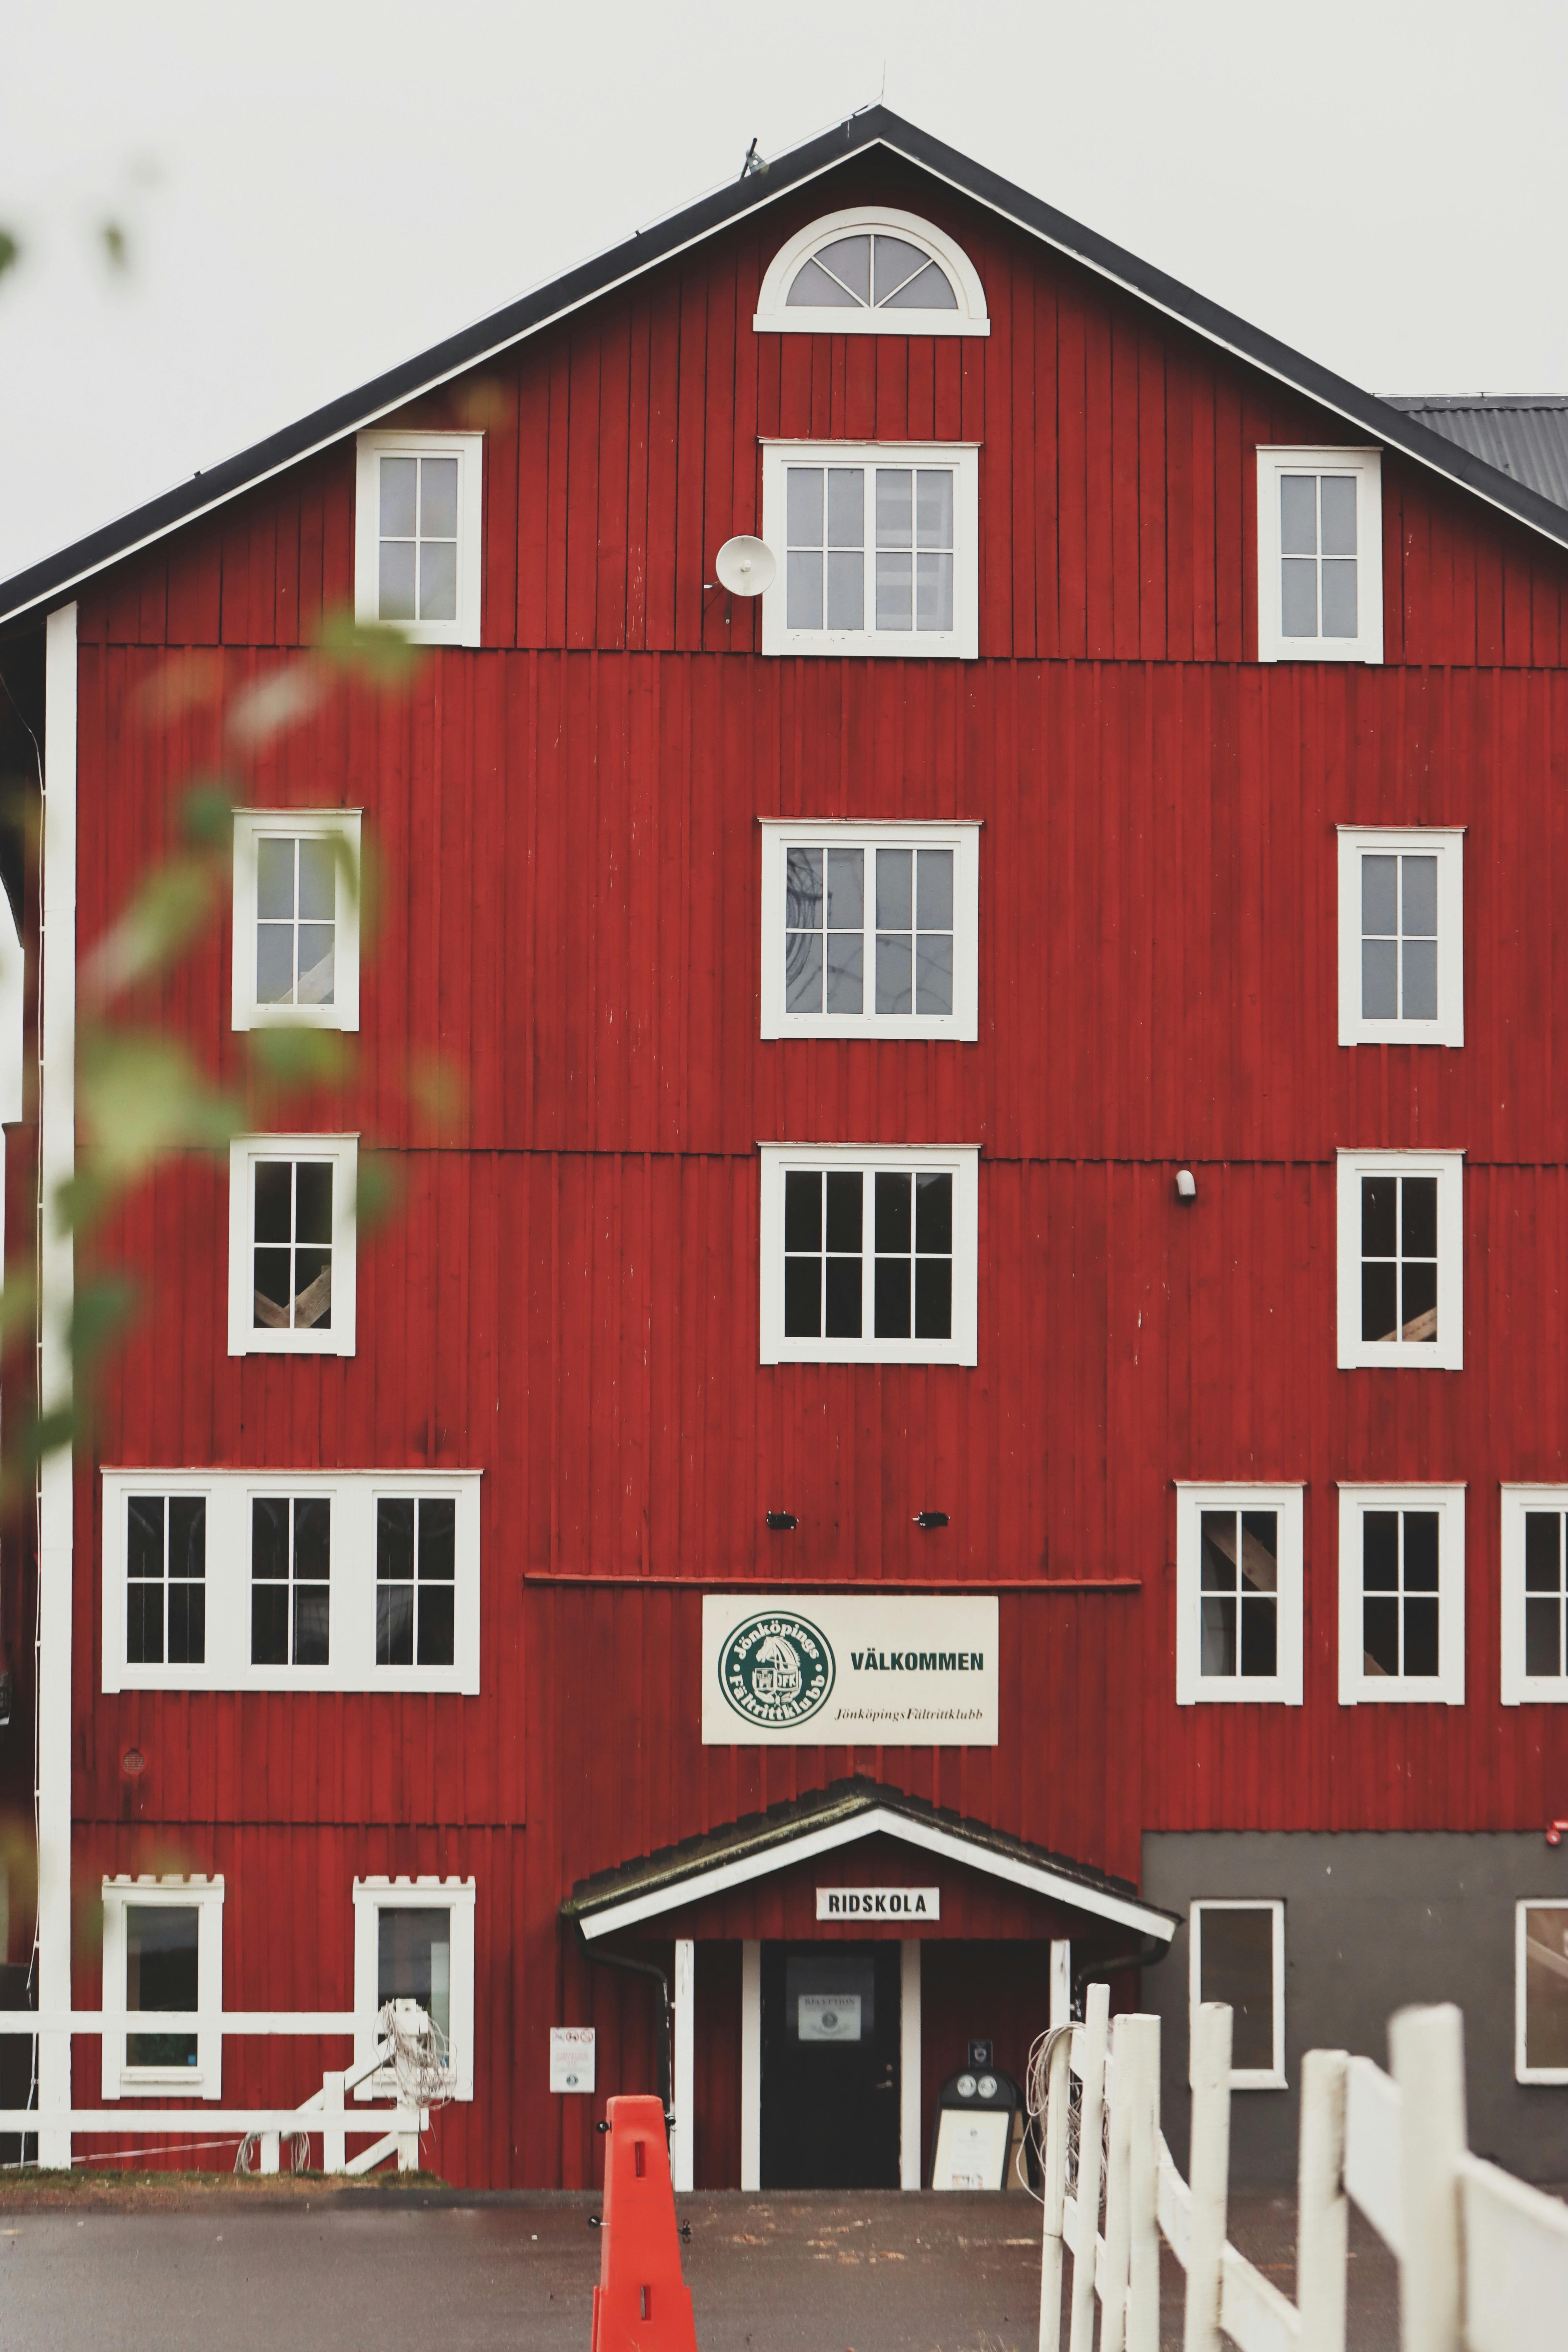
point(750, 2064)
point(455, 1895)
point(775, 316)
point(912, 2152)
point(320, 824)
point(879, 1822)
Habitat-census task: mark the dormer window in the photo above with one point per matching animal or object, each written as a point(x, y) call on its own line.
point(868, 272)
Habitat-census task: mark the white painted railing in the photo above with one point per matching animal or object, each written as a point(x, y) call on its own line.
point(1483, 2258)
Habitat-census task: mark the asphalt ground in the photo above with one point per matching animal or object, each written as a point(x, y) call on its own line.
point(117, 2270)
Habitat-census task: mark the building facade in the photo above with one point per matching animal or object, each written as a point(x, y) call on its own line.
point(964, 1382)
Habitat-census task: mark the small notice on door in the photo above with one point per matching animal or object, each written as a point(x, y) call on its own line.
point(571, 2057)
point(829, 2016)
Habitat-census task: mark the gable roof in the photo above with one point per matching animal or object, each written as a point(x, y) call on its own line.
point(877, 126)
point(826, 1821)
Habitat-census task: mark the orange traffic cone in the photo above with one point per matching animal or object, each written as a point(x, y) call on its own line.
point(641, 2303)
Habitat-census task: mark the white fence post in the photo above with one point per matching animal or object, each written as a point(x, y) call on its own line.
point(1091, 2111)
point(1053, 2187)
point(1209, 2168)
point(1117, 2218)
point(1138, 2083)
point(1322, 2219)
point(1426, 2053)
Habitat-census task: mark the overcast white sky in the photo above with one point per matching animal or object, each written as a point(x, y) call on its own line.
point(314, 189)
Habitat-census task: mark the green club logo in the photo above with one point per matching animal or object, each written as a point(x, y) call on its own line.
point(775, 1669)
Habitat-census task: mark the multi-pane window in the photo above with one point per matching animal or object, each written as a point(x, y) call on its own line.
point(296, 920)
point(1238, 1593)
point(1400, 1247)
point(867, 1257)
point(1545, 1596)
point(1320, 555)
point(417, 529)
point(296, 925)
point(165, 1572)
point(414, 1940)
point(415, 1571)
point(1400, 937)
point(878, 550)
point(1535, 1559)
point(869, 931)
point(1541, 1991)
point(162, 1987)
point(1236, 1954)
point(291, 1244)
point(1401, 1594)
point(870, 271)
point(290, 1580)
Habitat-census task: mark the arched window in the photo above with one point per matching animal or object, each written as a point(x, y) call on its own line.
point(871, 272)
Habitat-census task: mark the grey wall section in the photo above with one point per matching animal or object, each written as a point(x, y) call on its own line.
point(1374, 1921)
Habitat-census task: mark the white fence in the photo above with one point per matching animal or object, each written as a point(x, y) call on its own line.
point(1483, 2259)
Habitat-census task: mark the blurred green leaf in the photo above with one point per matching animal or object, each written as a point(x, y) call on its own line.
point(281, 700)
point(297, 1058)
point(10, 251)
point(139, 1094)
point(437, 1087)
point(377, 652)
point(207, 815)
point(18, 1304)
point(171, 906)
point(116, 245)
point(379, 1191)
point(100, 1306)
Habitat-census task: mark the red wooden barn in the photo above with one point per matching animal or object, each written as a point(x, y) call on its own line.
point(966, 1384)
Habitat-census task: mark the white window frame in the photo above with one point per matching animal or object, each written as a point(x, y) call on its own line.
point(1242, 2078)
point(1366, 465)
point(244, 1338)
point(963, 838)
point(1522, 2071)
point(1446, 844)
point(959, 1160)
point(468, 450)
point(1446, 1687)
point(350, 1635)
point(1447, 1352)
point(251, 826)
point(372, 1896)
point(774, 315)
point(1520, 1689)
point(205, 2079)
point(961, 642)
point(1194, 1688)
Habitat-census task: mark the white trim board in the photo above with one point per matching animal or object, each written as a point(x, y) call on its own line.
point(880, 1821)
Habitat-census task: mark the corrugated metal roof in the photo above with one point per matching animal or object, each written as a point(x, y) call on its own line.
point(1524, 437)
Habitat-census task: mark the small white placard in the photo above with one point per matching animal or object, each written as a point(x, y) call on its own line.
point(571, 2057)
point(878, 1903)
point(829, 2016)
point(972, 2150)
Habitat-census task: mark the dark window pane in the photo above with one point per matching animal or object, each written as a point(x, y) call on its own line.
point(438, 1539)
point(1379, 1200)
point(1260, 1551)
point(1379, 1294)
point(894, 1223)
point(145, 1624)
point(414, 1961)
point(1216, 1552)
point(269, 1625)
point(273, 1289)
point(314, 1201)
point(802, 1298)
point(1418, 1305)
point(1421, 1552)
point(892, 1288)
point(1380, 1636)
point(1380, 1552)
point(187, 1625)
point(187, 1534)
point(394, 1537)
point(144, 1535)
point(1420, 1637)
point(803, 1210)
point(933, 1298)
point(1235, 1952)
point(1419, 1205)
point(313, 1290)
point(1259, 1635)
point(1219, 1633)
point(843, 1298)
point(313, 1536)
point(311, 1607)
point(270, 1536)
point(1542, 1551)
point(438, 1622)
point(394, 1625)
point(1546, 1985)
point(933, 1214)
point(274, 1200)
point(1543, 1637)
point(161, 1973)
point(845, 1192)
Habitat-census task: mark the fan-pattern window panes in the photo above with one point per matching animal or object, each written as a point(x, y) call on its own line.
point(1235, 1959)
point(296, 926)
point(1400, 1578)
point(290, 1580)
point(1399, 936)
point(826, 1264)
point(869, 547)
point(419, 538)
point(871, 272)
point(414, 1961)
point(165, 1570)
point(1239, 1593)
point(293, 1245)
point(416, 1572)
point(1318, 555)
point(1544, 1990)
point(898, 932)
point(1399, 1259)
point(161, 1973)
point(1545, 1595)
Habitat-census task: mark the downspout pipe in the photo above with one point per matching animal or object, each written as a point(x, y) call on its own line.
point(664, 2012)
point(1146, 1953)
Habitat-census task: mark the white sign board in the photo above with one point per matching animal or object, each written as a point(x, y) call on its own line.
point(571, 2057)
point(972, 2150)
point(829, 2017)
point(878, 1903)
point(825, 1670)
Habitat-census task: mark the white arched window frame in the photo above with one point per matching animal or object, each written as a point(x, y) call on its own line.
point(775, 316)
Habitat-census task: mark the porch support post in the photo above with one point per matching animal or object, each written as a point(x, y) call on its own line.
point(750, 2064)
point(1062, 1984)
point(910, 2064)
point(683, 2170)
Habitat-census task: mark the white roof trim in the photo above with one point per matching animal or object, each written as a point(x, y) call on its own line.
point(880, 1821)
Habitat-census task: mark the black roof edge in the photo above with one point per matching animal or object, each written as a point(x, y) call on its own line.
point(877, 125)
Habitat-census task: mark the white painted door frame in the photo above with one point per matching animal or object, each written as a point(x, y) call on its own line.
point(683, 2139)
point(752, 2064)
point(909, 2155)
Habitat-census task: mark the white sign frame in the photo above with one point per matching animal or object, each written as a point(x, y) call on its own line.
point(903, 1902)
point(830, 1670)
point(571, 2058)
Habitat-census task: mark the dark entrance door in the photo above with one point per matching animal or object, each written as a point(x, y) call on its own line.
point(830, 2066)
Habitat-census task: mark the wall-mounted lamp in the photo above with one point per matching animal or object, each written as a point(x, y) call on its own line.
point(932, 1519)
point(781, 1522)
point(1187, 1184)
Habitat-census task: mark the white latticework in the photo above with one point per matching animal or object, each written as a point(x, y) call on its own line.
point(1037, 2083)
point(421, 2054)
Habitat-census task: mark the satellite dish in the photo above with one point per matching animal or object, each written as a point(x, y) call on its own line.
point(745, 566)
